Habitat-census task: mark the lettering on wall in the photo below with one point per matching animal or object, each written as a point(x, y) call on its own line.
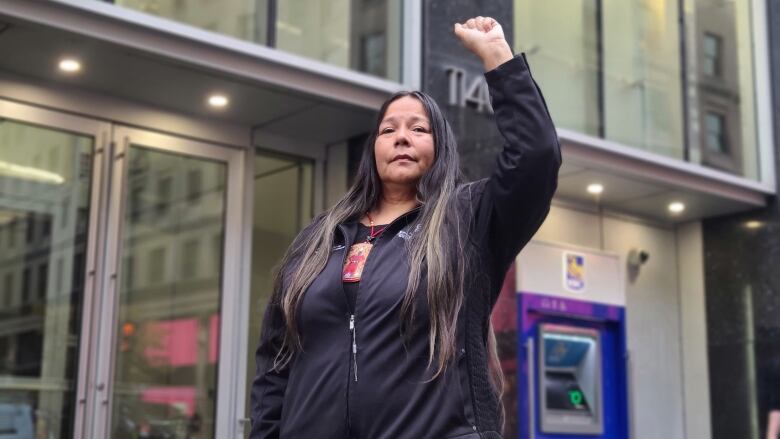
point(468, 92)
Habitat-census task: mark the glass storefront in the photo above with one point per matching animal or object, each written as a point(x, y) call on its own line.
point(362, 35)
point(148, 275)
point(282, 206)
point(617, 70)
point(45, 181)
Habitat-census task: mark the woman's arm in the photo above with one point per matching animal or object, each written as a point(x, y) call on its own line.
point(516, 198)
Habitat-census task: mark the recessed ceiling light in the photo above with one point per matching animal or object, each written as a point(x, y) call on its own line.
point(218, 101)
point(754, 224)
point(676, 207)
point(595, 188)
point(70, 65)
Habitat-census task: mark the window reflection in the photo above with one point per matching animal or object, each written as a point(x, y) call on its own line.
point(168, 329)
point(238, 18)
point(363, 35)
point(282, 206)
point(560, 39)
point(643, 105)
point(617, 69)
point(722, 104)
point(44, 206)
point(712, 55)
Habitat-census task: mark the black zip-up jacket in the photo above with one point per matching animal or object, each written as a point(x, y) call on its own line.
point(382, 391)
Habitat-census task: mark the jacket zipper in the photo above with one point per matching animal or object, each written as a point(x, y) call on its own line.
point(354, 344)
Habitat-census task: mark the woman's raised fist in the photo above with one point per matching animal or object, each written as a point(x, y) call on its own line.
point(484, 37)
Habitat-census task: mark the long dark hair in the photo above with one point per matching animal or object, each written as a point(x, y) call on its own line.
point(437, 249)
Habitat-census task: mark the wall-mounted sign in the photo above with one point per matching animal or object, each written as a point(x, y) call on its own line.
point(574, 272)
point(468, 92)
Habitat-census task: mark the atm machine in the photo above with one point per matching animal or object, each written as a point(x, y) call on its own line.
point(572, 358)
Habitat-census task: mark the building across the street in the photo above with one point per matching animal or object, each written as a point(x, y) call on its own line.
point(158, 156)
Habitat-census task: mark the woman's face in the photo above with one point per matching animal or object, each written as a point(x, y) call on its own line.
point(404, 147)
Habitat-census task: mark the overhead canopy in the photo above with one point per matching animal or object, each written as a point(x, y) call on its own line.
point(274, 91)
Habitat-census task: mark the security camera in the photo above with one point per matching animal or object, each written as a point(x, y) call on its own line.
point(637, 257)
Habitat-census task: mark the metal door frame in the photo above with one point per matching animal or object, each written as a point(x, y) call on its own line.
point(230, 279)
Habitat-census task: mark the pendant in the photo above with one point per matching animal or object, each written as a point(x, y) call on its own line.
point(356, 260)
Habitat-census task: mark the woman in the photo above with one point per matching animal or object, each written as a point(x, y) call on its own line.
point(379, 322)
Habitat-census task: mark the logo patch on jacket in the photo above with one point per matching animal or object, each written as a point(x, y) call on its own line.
point(406, 235)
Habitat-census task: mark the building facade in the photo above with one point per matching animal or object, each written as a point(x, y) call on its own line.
point(157, 157)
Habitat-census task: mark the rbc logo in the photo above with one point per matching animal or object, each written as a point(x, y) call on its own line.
point(574, 277)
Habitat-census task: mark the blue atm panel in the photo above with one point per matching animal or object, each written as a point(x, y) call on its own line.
point(572, 378)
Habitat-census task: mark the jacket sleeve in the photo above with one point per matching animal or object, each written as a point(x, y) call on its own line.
point(516, 198)
point(268, 386)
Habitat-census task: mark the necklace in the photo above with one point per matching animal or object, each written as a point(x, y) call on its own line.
point(373, 234)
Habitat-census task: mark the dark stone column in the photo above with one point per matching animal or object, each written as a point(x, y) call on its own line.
point(742, 277)
point(478, 139)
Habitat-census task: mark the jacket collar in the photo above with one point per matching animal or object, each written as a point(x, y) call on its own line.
point(349, 227)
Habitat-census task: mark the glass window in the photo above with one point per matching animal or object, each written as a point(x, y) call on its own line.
point(614, 69)
point(136, 202)
point(26, 281)
point(46, 227)
point(194, 183)
point(643, 104)
point(720, 86)
point(30, 229)
point(164, 188)
point(64, 212)
point(283, 205)
point(43, 284)
point(560, 39)
point(9, 288)
point(716, 136)
point(157, 265)
point(12, 233)
point(711, 54)
point(238, 18)
point(40, 314)
point(129, 272)
point(189, 259)
point(363, 35)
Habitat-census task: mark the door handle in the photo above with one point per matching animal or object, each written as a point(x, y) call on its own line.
point(244, 423)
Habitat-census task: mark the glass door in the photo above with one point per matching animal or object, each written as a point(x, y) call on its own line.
point(174, 219)
point(50, 184)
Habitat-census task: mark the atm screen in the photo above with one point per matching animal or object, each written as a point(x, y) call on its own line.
point(562, 350)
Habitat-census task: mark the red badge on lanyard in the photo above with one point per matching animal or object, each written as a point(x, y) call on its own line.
point(358, 254)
